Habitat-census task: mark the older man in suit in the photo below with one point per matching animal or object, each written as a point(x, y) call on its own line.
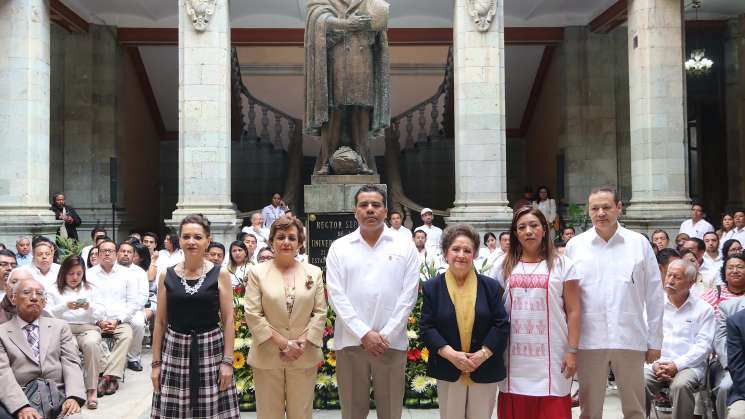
point(33, 347)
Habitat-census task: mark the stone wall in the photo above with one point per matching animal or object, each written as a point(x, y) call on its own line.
point(735, 108)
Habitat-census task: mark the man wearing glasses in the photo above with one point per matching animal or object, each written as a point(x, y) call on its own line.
point(118, 291)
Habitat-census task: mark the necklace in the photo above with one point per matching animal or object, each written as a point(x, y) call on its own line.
point(191, 290)
point(289, 291)
point(537, 264)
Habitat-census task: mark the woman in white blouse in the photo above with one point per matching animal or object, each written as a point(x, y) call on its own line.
point(74, 300)
point(547, 205)
point(239, 263)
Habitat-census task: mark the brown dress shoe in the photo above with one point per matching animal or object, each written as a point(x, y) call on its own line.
point(103, 385)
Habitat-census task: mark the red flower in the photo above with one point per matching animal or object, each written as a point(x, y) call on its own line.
point(414, 354)
point(238, 290)
point(320, 365)
point(327, 331)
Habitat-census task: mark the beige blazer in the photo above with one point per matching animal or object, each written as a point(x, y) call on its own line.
point(59, 361)
point(266, 310)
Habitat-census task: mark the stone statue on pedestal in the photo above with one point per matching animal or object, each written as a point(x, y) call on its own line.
point(347, 81)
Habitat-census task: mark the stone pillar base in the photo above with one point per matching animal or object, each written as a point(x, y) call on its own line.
point(487, 218)
point(647, 217)
point(224, 222)
point(26, 222)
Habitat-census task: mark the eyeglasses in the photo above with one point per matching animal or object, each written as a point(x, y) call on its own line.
point(28, 293)
point(265, 258)
point(6, 264)
point(106, 251)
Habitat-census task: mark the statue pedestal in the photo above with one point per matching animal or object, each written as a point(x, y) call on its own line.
point(329, 204)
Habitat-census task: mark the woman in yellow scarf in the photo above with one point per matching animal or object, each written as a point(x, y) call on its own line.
point(464, 325)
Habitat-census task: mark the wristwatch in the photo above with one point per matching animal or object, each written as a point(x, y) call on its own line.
point(572, 350)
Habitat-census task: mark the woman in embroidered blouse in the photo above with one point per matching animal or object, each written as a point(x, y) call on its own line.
point(286, 313)
point(75, 301)
point(464, 326)
point(239, 263)
point(543, 302)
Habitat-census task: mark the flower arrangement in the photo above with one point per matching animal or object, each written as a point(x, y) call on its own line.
point(421, 391)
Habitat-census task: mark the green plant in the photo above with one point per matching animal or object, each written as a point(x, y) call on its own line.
point(577, 217)
point(68, 247)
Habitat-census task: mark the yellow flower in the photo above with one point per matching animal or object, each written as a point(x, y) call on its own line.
point(239, 361)
point(425, 354)
point(331, 359)
point(412, 320)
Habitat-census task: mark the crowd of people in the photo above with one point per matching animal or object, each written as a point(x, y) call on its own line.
point(509, 320)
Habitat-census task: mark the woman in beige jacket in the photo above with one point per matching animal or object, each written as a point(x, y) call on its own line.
point(286, 313)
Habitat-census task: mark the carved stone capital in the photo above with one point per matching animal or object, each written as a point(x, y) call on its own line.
point(482, 12)
point(200, 12)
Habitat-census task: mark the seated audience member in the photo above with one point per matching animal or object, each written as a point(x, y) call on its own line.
point(34, 347)
point(239, 263)
point(130, 255)
point(257, 229)
point(731, 247)
point(696, 226)
point(7, 309)
point(722, 380)
point(216, 253)
point(7, 264)
point(688, 330)
point(150, 241)
point(680, 239)
point(92, 259)
point(712, 258)
point(664, 257)
point(660, 240)
point(734, 282)
point(42, 265)
point(23, 250)
point(728, 223)
point(95, 234)
point(76, 301)
point(736, 362)
point(704, 282)
point(118, 291)
point(251, 244)
point(265, 254)
point(169, 256)
point(487, 254)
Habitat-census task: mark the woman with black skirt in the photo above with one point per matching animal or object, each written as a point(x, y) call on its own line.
point(192, 357)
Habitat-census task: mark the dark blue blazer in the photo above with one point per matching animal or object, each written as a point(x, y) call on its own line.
point(736, 356)
point(438, 327)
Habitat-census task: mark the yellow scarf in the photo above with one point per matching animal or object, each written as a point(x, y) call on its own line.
point(464, 300)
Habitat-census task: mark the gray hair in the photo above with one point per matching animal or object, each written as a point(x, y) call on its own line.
point(254, 215)
point(22, 238)
point(689, 269)
point(20, 281)
point(453, 232)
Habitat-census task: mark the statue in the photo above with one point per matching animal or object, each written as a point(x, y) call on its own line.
point(482, 12)
point(200, 12)
point(347, 79)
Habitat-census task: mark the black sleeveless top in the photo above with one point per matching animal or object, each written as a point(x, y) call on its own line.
point(199, 312)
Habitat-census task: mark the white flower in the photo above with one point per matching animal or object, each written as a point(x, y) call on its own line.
point(242, 343)
point(330, 344)
point(323, 381)
point(411, 334)
point(419, 384)
point(333, 381)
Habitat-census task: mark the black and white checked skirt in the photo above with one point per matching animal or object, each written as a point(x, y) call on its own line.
point(175, 399)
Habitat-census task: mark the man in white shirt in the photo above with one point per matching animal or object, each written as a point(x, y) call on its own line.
point(372, 279)
point(119, 294)
point(256, 228)
point(274, 210)
point(688, 332)
point(622, 305)
point(434, 233)
point(397, 226)
point(42, 267)
point(712, 257)
point(696, 226)
point(124, 257)
point(23, 250)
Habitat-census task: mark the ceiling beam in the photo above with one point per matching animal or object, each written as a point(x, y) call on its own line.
point(294, 36)
point(611, 18)
point(66, 17)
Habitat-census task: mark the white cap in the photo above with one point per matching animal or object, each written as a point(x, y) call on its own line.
point(425, 210)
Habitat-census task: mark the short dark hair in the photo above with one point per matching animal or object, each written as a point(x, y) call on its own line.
point(738, 210)
point(699, 243)
point(104, 241)
point(453, 232)
point(127, 242)
point(97, 230)
point(607, 189)
point(487, 235)
point(568, 228)
point(504, 233)
point(42, 239)
point(8, 253)
point(419, 231)
point(151, 234)
point(697, 204)
point(659, 230)
point(390, 214)
point(711, 232)
point(196, 219)
point(370, 188)
point(664, 256)
point(560, 243)
point(217, 245)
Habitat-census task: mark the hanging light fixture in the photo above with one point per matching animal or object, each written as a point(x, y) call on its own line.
point(698, 65)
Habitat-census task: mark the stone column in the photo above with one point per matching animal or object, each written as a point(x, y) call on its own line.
point(24, 119)
point(734, 48)
point(657, 96)
point(204, 120)
point(480, 141)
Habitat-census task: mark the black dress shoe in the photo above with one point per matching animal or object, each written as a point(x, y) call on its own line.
point(134, 365)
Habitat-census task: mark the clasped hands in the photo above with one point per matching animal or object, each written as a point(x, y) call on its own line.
point(665, 370)
point(464, 361)
point(292, 350)
point(73, 305)
point(374, 343)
